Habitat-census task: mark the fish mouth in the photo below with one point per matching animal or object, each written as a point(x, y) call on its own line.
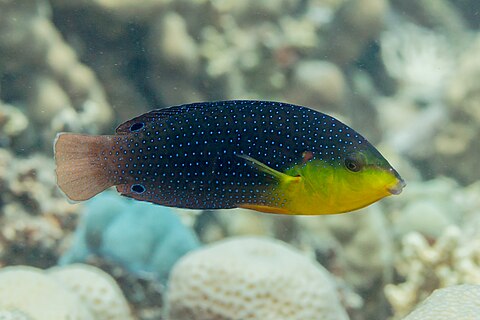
point(397, 188)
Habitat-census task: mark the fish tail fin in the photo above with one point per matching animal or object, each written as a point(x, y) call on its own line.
point(81, 169)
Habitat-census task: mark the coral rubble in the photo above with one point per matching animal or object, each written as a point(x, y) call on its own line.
point(452, 260)
point(34, 216)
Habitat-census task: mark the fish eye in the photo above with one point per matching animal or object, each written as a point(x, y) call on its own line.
point(137, 126)
point(354, 163)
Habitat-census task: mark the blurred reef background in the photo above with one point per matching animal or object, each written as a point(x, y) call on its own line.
point(404, 73)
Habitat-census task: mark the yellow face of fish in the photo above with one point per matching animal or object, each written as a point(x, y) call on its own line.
point(319, 187)
point(360, 180)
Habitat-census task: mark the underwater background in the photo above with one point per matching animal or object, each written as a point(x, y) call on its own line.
point(403, 73)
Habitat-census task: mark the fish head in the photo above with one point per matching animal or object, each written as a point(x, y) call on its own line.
point(363, 177)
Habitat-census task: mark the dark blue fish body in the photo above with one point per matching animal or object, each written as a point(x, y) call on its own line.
point(186, 156)
point(223, 154)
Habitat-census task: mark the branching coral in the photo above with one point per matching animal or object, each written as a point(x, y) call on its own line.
point(453, 259)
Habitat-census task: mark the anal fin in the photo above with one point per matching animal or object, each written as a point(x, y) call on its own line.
point(263, 208)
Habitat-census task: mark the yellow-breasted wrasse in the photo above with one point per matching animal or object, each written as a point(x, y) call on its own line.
point(261, 155)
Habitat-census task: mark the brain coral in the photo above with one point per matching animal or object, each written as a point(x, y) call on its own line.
point(97, 290)
point(37, 295)
point(457, 302)
point(251, 278)
point(76, 292)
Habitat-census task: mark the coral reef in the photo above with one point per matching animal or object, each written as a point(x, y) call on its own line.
point(436, 231)
point(452, 259)
point(143, 238)
point(354, 26)
point(215, 225)
point(405, 73)
point(456, 302)
point(429, 208)
point(236, 56)
point(432, 114)
point(123, 9)
point(74, 292)
point(96, 289)
point(32, 292)
point(421, 61)
point(13, 123)
point(61, 93)
point(457, 141)
point(357, 248)
point(439, 14)
point(254, 278)
point(318, 83)
point(34, 216)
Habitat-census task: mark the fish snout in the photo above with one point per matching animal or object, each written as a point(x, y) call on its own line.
point(398, 187)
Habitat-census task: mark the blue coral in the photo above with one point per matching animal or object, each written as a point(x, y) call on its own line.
point(141, 237)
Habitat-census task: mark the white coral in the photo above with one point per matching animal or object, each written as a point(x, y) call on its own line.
point(453, 259)
point(457, 302)
point(77, 292)
point(97, 290)
point(251, 278)
point(420, 59)
point(37, 295)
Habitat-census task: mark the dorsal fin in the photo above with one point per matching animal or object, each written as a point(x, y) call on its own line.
point(158, 114)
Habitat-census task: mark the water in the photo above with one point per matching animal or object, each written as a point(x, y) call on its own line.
point(405, 74)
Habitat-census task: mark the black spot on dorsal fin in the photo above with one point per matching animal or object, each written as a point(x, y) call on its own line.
point(158, 114)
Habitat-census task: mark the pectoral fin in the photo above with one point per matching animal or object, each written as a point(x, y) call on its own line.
point(280, 176)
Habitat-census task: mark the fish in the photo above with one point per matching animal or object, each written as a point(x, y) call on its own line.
point(266, 156)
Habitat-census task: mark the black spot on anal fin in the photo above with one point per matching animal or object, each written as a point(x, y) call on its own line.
point(135, 191)
point(138, 188)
